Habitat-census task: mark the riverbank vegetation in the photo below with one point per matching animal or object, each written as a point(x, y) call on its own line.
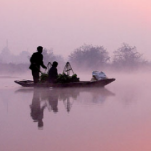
point(83, 58)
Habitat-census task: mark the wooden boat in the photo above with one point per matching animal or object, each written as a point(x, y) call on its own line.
point(100, 83)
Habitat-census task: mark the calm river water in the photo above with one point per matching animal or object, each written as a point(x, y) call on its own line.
point(115, 118)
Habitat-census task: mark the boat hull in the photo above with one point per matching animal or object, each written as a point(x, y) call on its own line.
point(100, 83)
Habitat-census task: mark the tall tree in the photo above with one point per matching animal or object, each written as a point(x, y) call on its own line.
point(127, 56)
point(88, 56)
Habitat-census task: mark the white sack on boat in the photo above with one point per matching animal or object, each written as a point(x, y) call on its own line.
point(98, 75)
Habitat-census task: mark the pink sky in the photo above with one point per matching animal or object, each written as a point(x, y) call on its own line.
point(67, 24)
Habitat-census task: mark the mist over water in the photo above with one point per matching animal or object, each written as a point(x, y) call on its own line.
point(113, 118)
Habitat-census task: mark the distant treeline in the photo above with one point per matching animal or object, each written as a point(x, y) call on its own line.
point(97, 58)
point(84, 58)
point(13, 68)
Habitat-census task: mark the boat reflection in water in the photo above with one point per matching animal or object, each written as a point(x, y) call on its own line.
point(48, 99)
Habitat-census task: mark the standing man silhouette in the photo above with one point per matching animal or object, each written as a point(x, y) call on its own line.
point(36, 61)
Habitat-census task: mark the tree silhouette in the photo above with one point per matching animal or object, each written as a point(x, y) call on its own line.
point(49, 56)
point(88, 56)
point(127, 56)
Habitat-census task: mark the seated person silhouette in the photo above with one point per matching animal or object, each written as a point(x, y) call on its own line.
point(53, 73)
